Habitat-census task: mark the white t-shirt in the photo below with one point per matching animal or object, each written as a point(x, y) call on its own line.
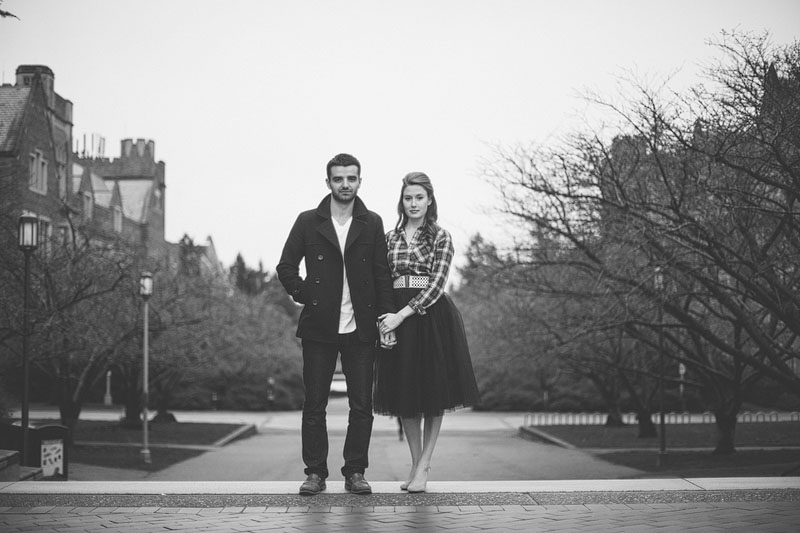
point(347, 317)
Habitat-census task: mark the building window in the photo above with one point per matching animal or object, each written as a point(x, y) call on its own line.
point(117, 219)
point(88, 206)
point(45, 235)
point(62, 182)
point(64, 235)
point(37, 172)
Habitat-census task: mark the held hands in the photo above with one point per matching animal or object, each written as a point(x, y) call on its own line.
point(388, 322)
point(388, 340)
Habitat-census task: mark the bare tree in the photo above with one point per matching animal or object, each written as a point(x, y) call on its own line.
point(699, 191)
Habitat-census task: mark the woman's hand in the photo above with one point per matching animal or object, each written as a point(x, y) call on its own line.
point(389, 322)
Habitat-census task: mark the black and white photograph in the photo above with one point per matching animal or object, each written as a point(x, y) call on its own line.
point(363, 265)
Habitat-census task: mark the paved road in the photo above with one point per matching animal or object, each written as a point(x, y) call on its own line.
point(472, 446)
point(465, 493)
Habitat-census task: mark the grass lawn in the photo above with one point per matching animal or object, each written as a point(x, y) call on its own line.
point(176, 433)
point(128, 453)
point(621, 446)
point(129, 457)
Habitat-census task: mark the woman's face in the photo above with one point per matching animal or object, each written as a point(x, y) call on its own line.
point(415, 202)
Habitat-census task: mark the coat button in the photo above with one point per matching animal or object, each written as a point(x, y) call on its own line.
point(319, 257)
point(314, 302)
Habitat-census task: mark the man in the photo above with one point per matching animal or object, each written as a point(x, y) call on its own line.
point(346, 287)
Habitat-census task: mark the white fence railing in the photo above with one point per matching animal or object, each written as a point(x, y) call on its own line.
point(574, 419)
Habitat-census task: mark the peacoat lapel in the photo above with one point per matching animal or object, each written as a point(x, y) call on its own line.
point(325, 228)
point(359, 223)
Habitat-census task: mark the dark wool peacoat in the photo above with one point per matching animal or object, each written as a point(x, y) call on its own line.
point(313, 237)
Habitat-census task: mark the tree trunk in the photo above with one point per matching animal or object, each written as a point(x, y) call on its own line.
point(164, 417)
point(726, 430)
point(133, 404)
point(68, 409)
point(647, 430)
point(69, 413)
point(610, 396)
point(614, 419)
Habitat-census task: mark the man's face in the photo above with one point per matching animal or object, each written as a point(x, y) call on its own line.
point(344, 183)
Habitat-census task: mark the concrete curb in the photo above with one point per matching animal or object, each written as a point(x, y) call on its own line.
point(242, 432)
point(530, 433)
point(393, 487)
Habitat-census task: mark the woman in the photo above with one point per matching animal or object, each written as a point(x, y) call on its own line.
point(429, 371)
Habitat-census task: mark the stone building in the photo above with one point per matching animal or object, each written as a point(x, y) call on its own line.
point(117, 202)
point(35, 152)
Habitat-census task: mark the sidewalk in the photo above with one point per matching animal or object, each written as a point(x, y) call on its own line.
point(709, 504)
point(469, 498)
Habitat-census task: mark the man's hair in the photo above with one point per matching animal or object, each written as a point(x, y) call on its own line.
point(343, 160)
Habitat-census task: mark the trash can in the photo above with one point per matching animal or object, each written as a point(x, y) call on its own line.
point(47, 447)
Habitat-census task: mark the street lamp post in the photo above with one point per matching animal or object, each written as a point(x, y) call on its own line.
point(662, 431)
point(28, 232)
point(145, 291)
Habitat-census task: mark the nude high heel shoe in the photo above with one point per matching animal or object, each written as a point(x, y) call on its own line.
point(404, 485)
point(417, 487)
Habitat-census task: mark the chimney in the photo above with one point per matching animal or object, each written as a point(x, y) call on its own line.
point(27, 73)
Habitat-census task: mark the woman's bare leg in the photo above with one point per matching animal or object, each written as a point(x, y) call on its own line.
point(412, 426)
point(419, 481)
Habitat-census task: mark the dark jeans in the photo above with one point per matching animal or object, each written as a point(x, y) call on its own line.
point(319, 363)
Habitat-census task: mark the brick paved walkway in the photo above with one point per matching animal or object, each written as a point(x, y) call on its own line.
point(730, 504)
point(678, 517)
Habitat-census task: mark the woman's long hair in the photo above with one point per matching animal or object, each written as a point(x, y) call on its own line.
point(431, 215)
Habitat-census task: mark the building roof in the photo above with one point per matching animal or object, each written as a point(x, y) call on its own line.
point(12, 109)
point(102, 194)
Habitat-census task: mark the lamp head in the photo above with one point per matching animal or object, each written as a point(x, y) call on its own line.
point(146, 285)
point(28, 231)
point(658, 279)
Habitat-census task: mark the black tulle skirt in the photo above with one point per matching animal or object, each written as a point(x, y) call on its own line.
point(429, 371)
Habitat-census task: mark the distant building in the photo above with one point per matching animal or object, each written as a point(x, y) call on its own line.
point(118, 201)
point(35, 151)
point(124, 197)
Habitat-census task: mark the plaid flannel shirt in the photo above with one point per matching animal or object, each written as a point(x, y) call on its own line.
point(419, 257)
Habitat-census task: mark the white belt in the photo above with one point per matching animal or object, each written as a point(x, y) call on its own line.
point(411, 282)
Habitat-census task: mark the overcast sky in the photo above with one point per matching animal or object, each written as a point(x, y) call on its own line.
point(247, 100)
